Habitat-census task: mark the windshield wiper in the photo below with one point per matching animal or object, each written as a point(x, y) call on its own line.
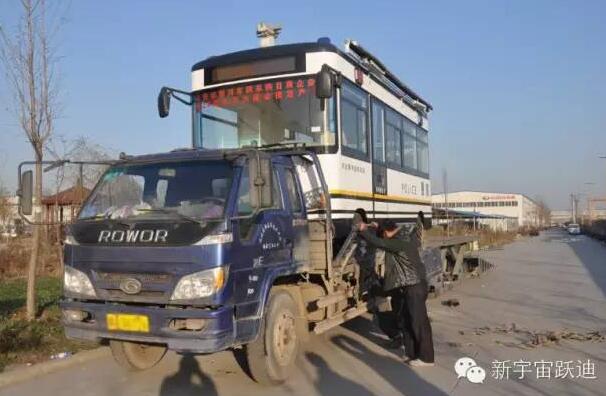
point(104, 217)
point(169, 211)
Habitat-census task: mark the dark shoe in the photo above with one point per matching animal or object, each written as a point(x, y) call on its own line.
point(394, 343)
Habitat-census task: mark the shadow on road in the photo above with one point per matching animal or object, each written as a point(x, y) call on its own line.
point(189, 380)
point(592, 254)
point(394, 371)
point(330, 383)
point(364, 327)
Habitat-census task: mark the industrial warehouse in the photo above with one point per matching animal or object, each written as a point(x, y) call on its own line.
point(502, 211)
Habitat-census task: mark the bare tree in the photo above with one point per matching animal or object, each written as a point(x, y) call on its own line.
point(86, 150)
point(59, 148)
point(81, 177)
point(30, 66)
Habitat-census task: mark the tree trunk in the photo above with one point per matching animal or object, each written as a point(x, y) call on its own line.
point(37, 241)
point(59, 241)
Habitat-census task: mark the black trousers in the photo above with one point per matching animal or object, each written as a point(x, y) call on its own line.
point(408, 304)
point(389, 324)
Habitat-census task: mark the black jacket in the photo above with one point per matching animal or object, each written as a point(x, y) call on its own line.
point(403, 265)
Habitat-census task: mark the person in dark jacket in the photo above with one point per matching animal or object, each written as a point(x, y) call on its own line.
point(364, 254)
point(405, 280)
point(371, 282)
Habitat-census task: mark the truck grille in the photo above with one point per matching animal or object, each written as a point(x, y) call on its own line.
point(143, 278)
point(154, 287)
point(119, 294)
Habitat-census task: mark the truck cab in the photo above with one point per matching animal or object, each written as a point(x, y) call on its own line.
point(195, 251)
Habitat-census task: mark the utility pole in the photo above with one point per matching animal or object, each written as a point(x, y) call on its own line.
point(589, 202)
point(445, 187)
point(572, 214)
point(574, 203)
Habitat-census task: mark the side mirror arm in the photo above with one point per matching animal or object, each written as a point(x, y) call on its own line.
point(189, 101)
point(50, 165)
point(164, 99)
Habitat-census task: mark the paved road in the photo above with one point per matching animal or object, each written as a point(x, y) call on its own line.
point(549, 282)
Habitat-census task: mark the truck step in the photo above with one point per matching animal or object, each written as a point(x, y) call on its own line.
point(329, 300)
point(351, 313)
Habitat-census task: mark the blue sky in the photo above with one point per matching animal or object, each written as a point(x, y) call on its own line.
point(518, 87)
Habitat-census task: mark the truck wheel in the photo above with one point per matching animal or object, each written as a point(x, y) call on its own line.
point(135, 356)
point(271, 357)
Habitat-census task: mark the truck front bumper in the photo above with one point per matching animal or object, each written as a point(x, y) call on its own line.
point(216, 334)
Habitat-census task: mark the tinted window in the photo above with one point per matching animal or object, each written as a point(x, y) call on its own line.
point(422, 151)
point(378, 114)
point(354, 108)
point(267, 112)
point(195, 189)
point(244, 203)
point(393, 140)
point(410, 145)
point(293, 190)
point(393, 132)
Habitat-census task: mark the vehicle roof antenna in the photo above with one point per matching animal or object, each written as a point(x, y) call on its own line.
point(268, 33)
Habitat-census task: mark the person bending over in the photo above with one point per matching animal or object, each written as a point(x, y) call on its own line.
point(405, 280)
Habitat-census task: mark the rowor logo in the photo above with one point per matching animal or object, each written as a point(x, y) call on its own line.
point(133, 236)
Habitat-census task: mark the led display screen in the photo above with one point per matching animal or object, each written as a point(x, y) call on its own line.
point(253, 69)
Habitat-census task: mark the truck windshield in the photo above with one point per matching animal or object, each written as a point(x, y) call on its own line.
point(262, 113)
point(195, 190)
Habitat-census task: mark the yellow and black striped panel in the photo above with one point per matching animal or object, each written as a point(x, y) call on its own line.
point(348, 194)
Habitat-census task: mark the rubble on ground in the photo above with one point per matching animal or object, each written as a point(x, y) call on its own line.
point(452, 302)
point(540, 338)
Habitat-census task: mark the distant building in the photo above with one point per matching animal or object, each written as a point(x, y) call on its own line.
point(565, 216)
point(517, 207)
point(561, 216)
point(11, 224)
point(62, 208)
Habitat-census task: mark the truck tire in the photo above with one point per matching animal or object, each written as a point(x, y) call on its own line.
point(135, 356)
point(271, 357)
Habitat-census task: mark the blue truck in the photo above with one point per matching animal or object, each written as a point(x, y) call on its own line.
point(243, 240)
point(200, 251)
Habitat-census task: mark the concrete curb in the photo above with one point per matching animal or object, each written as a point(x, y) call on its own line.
point(51, 366)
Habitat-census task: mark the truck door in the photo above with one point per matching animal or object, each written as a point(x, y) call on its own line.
point(295, 205)
point(262, 241)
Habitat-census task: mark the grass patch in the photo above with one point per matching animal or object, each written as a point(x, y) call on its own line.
point(12, 294)
point(29, 342)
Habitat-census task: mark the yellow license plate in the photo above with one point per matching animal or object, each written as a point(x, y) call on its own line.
point(128, 322)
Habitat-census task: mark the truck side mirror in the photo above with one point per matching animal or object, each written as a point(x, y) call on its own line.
point(26, 192)
point(164, 102)
point(324, 83)
point(260, 182)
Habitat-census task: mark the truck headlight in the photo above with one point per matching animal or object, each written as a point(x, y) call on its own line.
point(77, 282)
point(200, 284)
